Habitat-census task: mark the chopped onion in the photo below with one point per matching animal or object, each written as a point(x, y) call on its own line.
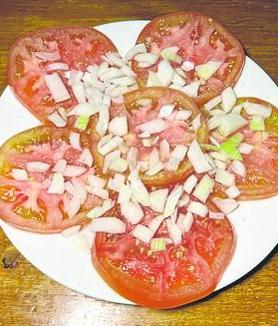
point(100, 210)
point(84, 109)
point(208, 69)
point(155, 223)
point(190, 183)
point(127, 71)
point(37, 166)
point(257, 123)
point(158, 199)
point(154, 169)
point(118, 126)
point(197, 158)
point(153, 126)
point(224, 177)
point(197, 208)
point(19, 174)
point(231, 123)
point(183, 115)
point(124, 81)
point(71, 231)
point(215, 122)
point(118, 164)
point(257, 109)
point(73, 207)
point(176, 157)
point(74, 171)
point(125, 194)
point(212, 103)
point(172, 201)
point(178, 80)
point(174, 232)
point(245, 148)
point(185, 221)
point(96, 181)
point(171, 54)
point(111, 73)
point(204, 188)
point(79, 92)
point(228, 99)
point(221, 156)
point(165, 73)
point(57, 66)
point(57, 120)
point(103, 120)
point(132, 212)
point(56, 87)
point(110, 145)
point(192, 88)
point(94, 96)
point(116, 183)
point(115, 59)
point(187, 66)
point(60, 166)
point(238, 168)
point(74, 139)
point(75, 77)
point(153, 80)
point(196, 122)
point(142, 233)
point(164, 150)
point(108, 225)
point(101, 193)
point(146, 58)
point(57, 185)
point(166, 110)
point(136, 49)
point(86, 157)
point(232, 192)
point(108, 158)
point(237, 109)
point(225, 205)
point(184, 200)
point(79, 190)
point(139, 191)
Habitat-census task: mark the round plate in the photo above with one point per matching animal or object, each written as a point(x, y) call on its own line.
point(255, 223)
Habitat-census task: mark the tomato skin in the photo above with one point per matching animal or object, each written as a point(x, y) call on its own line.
point(13, 154)
point(162, 178)
point(165, 292)
point(158, 29)
point(25, 71)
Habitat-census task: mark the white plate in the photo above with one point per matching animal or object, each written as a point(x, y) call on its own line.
point(255, 223)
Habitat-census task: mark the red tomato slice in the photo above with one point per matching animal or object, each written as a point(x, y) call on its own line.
point(166, 279)
point(27, 204)
point(261, 180)
point(199, 39)
point(177, 133)
point(78, 47)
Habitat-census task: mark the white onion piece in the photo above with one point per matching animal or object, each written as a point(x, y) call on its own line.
point(224, 177)
point(124, 81)
point(57, 120)
point(86, 157)
point(238, 168)
point(115, 59)
point(184, 200)
point(153, 80)
point(153, 126)
point(51, 56)
point(197, 158)
point(56, 87)
point(103, 120)
point(165, 73)
point(174, 232)
point(196, 122)
point(245, 148)
point(166, 110)
point(75, 77)
point(125, 193)
point(217, 112)
point(118, 126)
point(96, 181)
point(116, 183)
point(154, 169)
point(197, 208)
point(187, 66)
point(172, 201)
point(231, 123)
point(19, 174)
point(214, 122)
point(220, 165)
point(190, 183)
point(108, 225)
point(183, 115)
point(232, 192)
point(139, 191)
point(108, 158)
point(127, 71)
point(74, 171)
point(155, 223)
point(208, 69)
point(136, 49)
point(79, 92)
point(204, 188)
point(164, 150)
point(79, 190)
point(57, 185)
point(37, 166)
point(192, 89)
point(73, 207)
point(228, 99)
point(57, 66)
point(225, 205)
point(185, 221)
point(212, 103)
point(104, 140)
point(148, 58)
point(118, 164)
point(178, 80)
point(60, 166)
point(176, 157)
point(99, 192)
point(84, 109)
point(100, 210)
point(158, 199)
point(221, 156)
point(216, 215)
point(257, 109)
point(132, 212)
point(74, 139)
point(94, 95)
point(71, 231)
point(237, 109)
point(110, 145)
point(101, 68)
point(142, 233)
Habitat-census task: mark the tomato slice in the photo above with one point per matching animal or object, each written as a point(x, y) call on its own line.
point(165, 279)
point(178, 132)
point(199, 39)
point(261, 163)
point(27, 204)
point(75, 46)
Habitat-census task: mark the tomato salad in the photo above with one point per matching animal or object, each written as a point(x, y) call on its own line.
point(154, 172)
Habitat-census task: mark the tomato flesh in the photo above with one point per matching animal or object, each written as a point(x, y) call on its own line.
point(165, 279)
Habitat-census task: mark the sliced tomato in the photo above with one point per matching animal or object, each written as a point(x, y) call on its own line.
point(27, 204)
point(177, 133)
point(75, 46)
point(261, 163)
point(170, 278)
point(199, 39)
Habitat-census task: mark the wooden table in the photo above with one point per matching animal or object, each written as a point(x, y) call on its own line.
point(27, 297)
